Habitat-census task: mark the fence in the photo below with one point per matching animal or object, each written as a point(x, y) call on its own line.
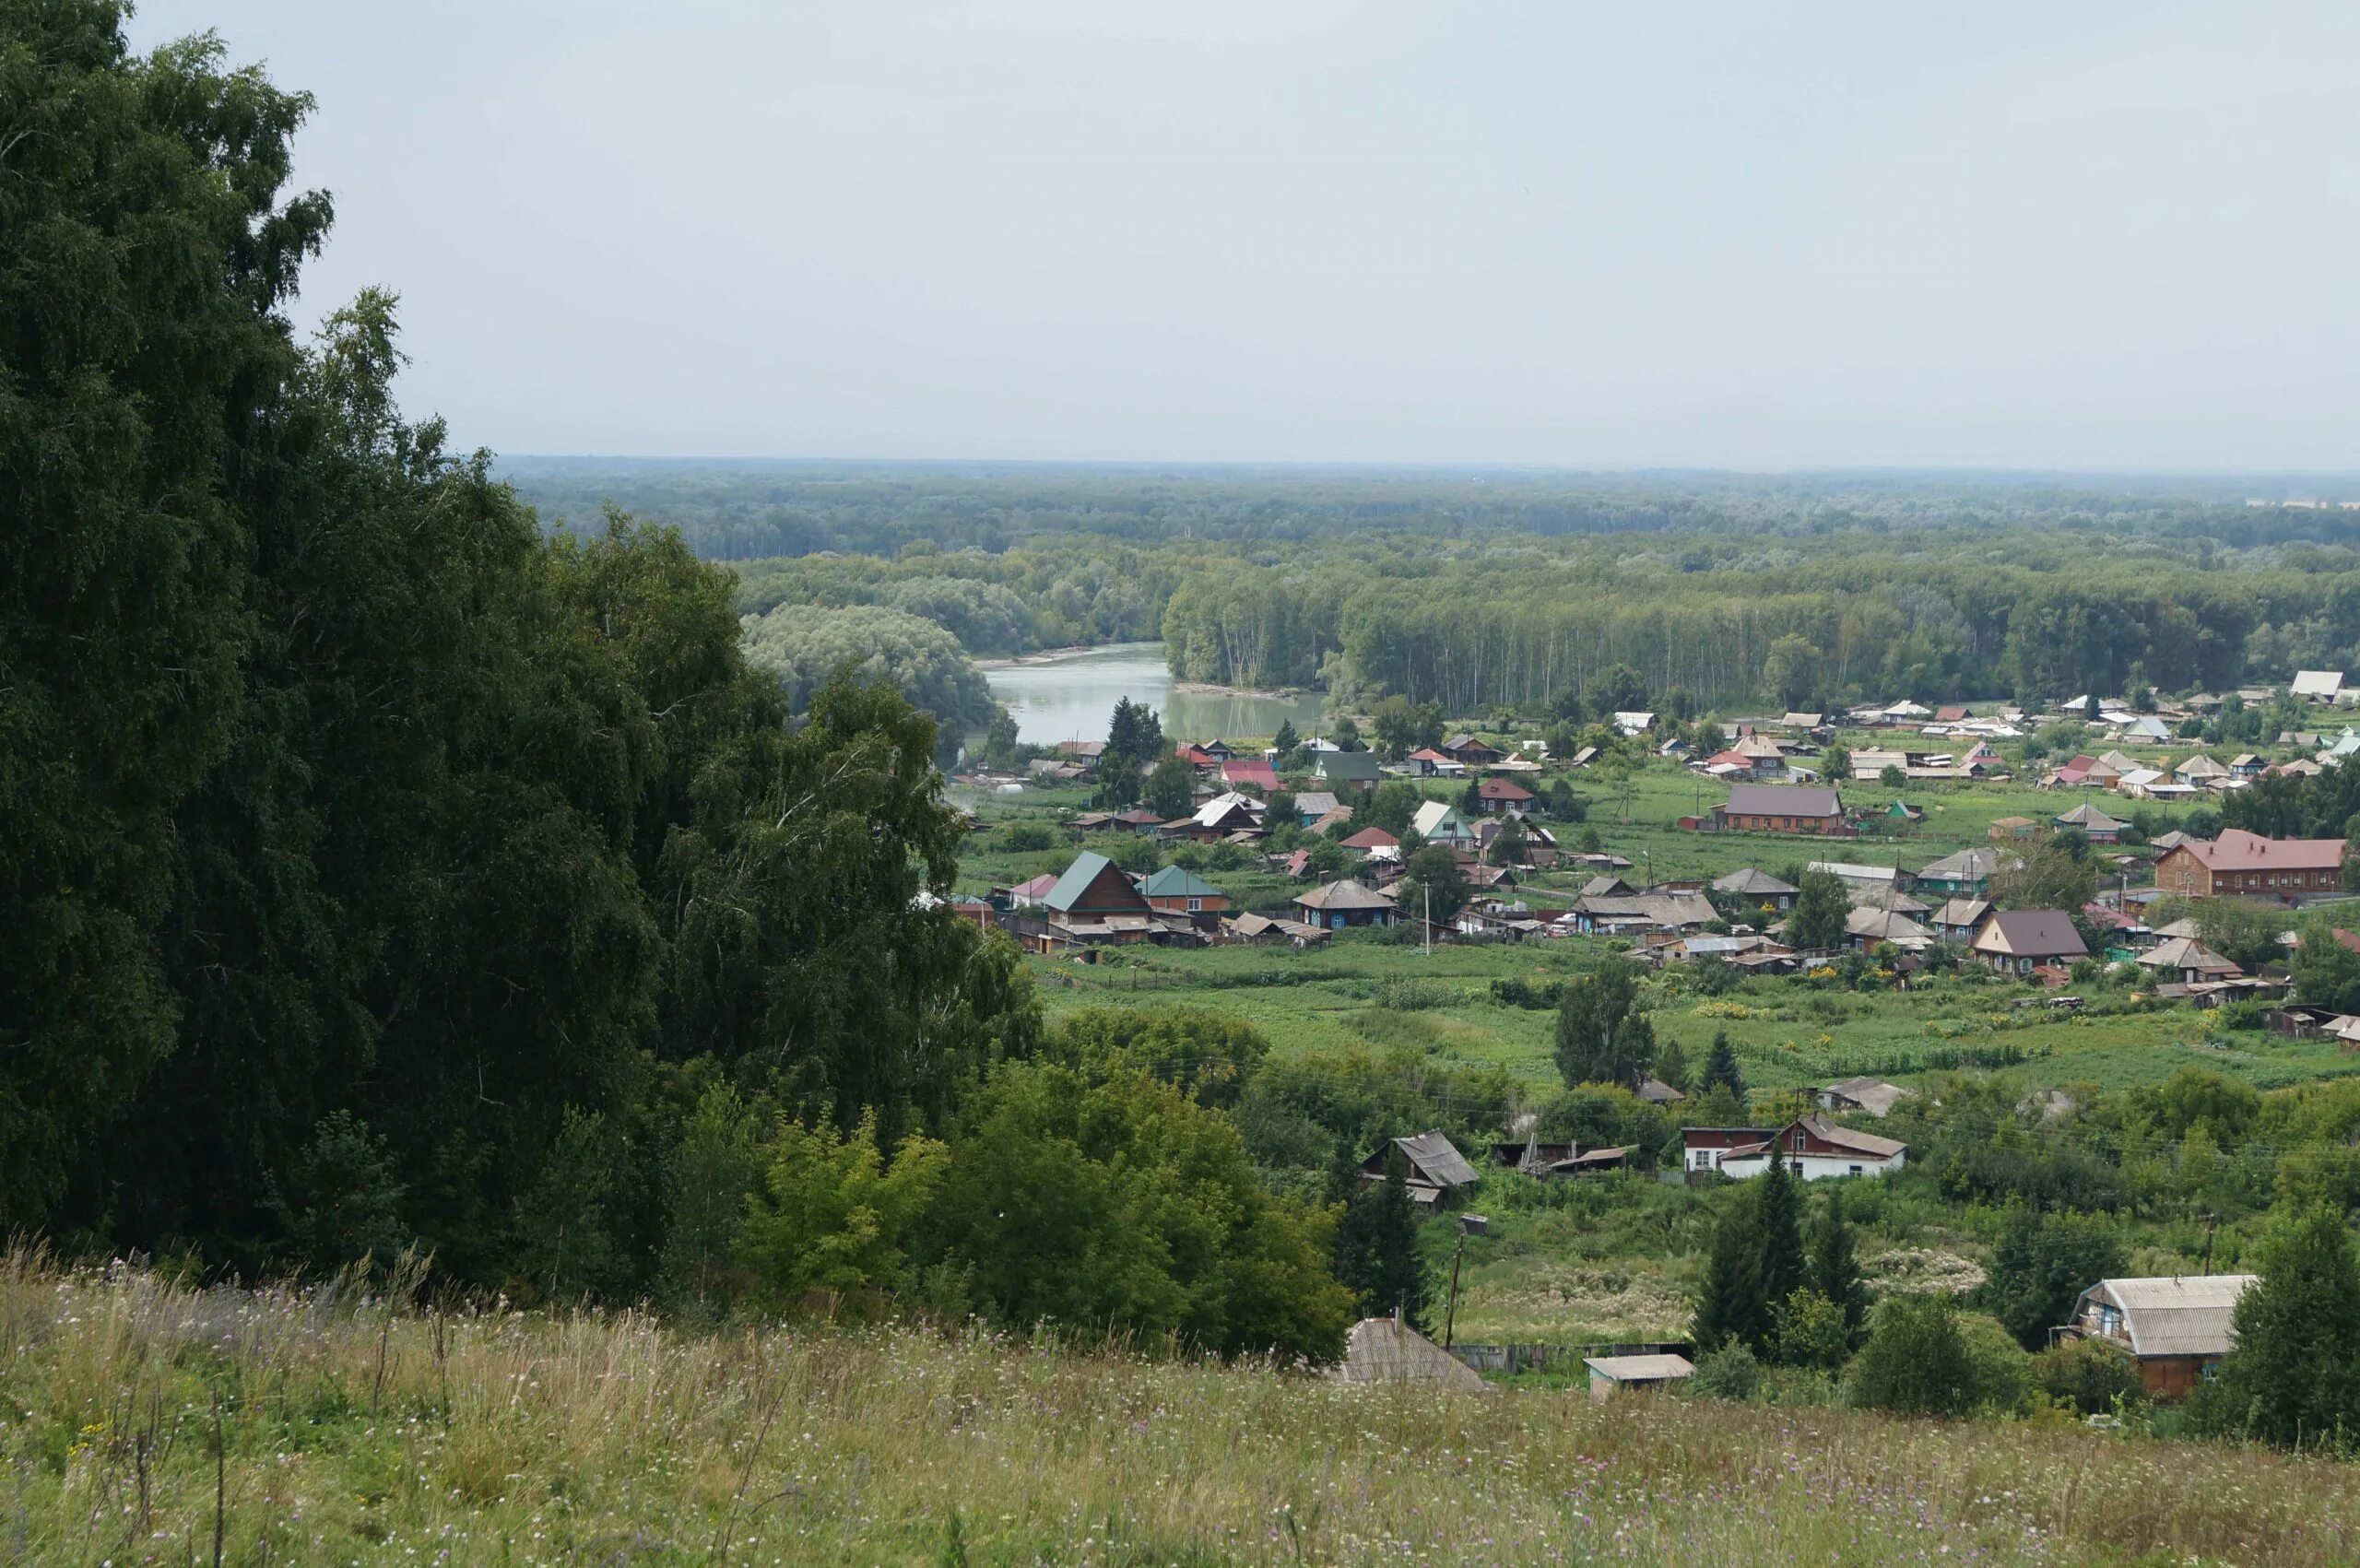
point(1554, 1358)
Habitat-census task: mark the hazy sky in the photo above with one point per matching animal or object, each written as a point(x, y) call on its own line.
point(1744, 234)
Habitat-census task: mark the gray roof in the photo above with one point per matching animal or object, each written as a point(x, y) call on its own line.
point(1870, 1094)
point(1672, 911)
point(2032, 933)
point(1966, 865)
point(1379, 1349)
point(1639, 1369)
point(1345, 894)
point(1783, 800)
point(1433, 1154)
point(2188, 1314)
point(1754, 883)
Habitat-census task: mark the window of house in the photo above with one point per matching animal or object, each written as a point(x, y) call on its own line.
point(1195, 905)
point(1853, 1170)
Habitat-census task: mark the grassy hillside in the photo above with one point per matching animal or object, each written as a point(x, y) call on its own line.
point(139, 1418)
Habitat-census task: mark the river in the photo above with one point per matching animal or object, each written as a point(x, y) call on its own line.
point(1069, 696)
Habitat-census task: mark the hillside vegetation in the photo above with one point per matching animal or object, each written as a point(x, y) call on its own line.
point(144, 1420)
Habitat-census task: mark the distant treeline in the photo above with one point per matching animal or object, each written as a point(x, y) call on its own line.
point(1475, 591)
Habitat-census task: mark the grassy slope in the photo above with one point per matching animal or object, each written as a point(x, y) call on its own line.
point(346, 1436)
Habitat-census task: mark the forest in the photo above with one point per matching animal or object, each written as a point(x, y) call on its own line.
point(1730, 591)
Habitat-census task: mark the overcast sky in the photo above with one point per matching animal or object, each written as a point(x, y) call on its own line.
point(1746, 234)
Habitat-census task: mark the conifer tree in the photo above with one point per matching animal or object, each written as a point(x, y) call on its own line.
point(2293, 1376)
point(1720, 1067)
point(1376, 1248)
point(1834, 1271)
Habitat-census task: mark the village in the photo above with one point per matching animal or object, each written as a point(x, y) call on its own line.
point(1893, 851)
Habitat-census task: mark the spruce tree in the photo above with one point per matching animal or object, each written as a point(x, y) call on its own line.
point(1671, 1064)
point(1720, 1067)
point(1778, 1235)
point(1730, 1304)
point(1834, 1269)
point(2293, 1376)
point(1376, 1248)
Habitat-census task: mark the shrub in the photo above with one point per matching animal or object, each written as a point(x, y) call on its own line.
point(1728, 1372)
point(1916, 1362)
point(2092, 1375)
point(1026, 840)
point(1810, 1331)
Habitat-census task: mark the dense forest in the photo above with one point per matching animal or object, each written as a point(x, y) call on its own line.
point(1476, 592)
point(387, 874)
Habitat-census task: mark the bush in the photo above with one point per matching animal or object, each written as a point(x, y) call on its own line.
point(1916, 1362)
point(1027, 839)
point(2092, 1375)
point(2000, 1370)
point(1728, 1372)
point(1810, 1331)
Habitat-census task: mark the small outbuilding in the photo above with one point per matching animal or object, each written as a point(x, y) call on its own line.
point(1608, 1375)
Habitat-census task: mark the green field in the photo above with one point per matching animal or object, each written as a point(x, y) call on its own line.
point(1373, 989)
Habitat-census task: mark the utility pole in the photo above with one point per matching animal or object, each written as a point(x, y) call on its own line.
point(1469, 1225)
point(1429, 919)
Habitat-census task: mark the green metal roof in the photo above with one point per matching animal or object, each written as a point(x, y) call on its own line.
point(1077, 876)
point(1178, 882)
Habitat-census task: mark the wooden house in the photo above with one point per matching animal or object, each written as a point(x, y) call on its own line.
point(2172, 1329)
point(1469, 752)
point(1181, 892)
point(1780, 808)
point(1346, 904)
point(2243, 864)
point(1757, 889)
point(1816, 1149)
point(2017, 941)
point(1498, 795)
point(1093, 902)
point(1436, 1169)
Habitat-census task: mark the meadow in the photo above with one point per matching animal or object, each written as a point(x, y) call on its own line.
point(146, 1420)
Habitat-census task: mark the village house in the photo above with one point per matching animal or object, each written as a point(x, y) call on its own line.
point(1436, 1168)
point(1438, 821)
point(1758, 889)
point(1639, 913)
point(1810, 1147)
point(1498, 795)
point(2174, 1329)
point(1956, 920)
point(1868, 1096)
point(1355, 772)
point(1469, 753)
point(1311, 805)
point(2319, 686)
point(1427, 762)
point(2017, 941)
point(1867, 928)
point(2094, 825)
point(1634, 723)
point(1969, 872)
point(1346, 903)
point(1261, 930)
point(1374, 842)
point(1093, 903)
point(2243, 864)
point(1241, 774)
point(1780, 808)
point(2011, 829)
point(1182, 892)
point(2186, 961)
point(1224, 814)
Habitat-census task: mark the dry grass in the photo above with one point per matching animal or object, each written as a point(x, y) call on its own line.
point(349, 1432)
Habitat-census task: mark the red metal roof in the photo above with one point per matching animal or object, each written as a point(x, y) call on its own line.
point(2237, 850)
